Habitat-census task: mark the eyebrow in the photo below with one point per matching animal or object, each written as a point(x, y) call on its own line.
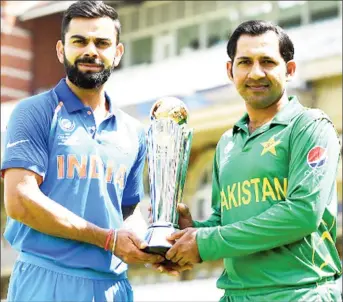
point(77, 37)
point(268, 58)
point(84, 38)
point(243, 58)
point(248, 58)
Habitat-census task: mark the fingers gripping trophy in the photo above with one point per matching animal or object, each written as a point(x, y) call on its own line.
point(169, 142)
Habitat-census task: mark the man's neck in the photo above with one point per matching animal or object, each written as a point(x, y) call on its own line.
point(259, 117)
point(94, 98)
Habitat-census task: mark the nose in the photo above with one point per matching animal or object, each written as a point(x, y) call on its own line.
point(256, 72)
point(91, 50)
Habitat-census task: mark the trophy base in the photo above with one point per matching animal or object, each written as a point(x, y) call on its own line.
point(156, 238)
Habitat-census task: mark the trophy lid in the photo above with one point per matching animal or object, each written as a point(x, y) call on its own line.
point(170, 107)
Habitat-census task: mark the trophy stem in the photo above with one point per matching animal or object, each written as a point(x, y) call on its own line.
point(156, 237)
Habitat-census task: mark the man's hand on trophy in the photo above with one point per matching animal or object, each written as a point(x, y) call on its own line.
point(185, 217)
point(185, 249)
point(172, 269)
point(128, 248)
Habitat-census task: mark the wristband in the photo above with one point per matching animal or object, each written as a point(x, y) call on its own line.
point(114, 241)
point(108, 238)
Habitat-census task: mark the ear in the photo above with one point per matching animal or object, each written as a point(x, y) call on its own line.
point(291, 67)
point(229, 70)
point(119, 54)
point(60, 51)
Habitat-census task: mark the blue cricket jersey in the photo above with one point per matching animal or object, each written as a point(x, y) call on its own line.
point(90, 170)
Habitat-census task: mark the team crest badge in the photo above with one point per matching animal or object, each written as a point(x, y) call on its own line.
point(316, 157)
point(67, 125)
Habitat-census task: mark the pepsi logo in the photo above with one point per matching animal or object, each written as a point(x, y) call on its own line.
point(316, 157)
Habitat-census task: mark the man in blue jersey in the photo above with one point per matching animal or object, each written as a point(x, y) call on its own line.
point(72, 171)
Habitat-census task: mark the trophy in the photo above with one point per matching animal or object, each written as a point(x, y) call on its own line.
point(169, 143)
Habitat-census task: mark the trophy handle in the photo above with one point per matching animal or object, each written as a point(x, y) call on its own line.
point(185, 160)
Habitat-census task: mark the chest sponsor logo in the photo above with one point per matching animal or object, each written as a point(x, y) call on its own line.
point(67, 125)
point(270, 146)
point(317, 157)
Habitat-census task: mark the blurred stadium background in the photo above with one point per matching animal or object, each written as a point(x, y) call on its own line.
point(176, 48)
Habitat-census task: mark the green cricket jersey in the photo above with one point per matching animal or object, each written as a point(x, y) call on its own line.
point(274, 203)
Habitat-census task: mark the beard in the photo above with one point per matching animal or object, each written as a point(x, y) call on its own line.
point(89, 79)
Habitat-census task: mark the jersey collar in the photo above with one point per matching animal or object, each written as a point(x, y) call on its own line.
point(288, 112)
point(291, 110)
point(242, 124)
point(72, 103)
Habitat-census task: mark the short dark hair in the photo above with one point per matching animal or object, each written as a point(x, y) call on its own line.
point(259, 27)
point(89, 9)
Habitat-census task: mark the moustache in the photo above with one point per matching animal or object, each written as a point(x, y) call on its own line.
point(88, 60)
point(256, 83)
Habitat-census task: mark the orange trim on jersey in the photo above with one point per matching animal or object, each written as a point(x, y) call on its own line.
point(58, 108)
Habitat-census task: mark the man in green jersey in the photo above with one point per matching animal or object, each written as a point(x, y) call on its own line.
point(274, 195)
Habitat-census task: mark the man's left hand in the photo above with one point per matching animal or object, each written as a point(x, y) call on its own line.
point(185, 249)
point(172, 269)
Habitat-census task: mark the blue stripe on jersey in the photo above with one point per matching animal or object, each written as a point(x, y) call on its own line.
point(90, 171)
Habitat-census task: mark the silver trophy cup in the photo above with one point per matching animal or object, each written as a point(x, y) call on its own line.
point(169, 143)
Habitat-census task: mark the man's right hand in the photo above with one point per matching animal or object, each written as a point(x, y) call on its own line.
point(185, 217)
point(128, 248)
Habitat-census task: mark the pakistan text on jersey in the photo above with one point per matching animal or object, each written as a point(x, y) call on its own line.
point(90, 166)
point(256, 189)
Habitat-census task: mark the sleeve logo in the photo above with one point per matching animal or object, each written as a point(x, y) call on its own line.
point(316, 157)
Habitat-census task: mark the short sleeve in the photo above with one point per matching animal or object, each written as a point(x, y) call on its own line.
point(134, 189)
point(26, 140)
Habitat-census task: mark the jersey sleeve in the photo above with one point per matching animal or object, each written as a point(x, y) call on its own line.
point(26, 140)
point(134, 189)
point(215, 217)
point(315, 153)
